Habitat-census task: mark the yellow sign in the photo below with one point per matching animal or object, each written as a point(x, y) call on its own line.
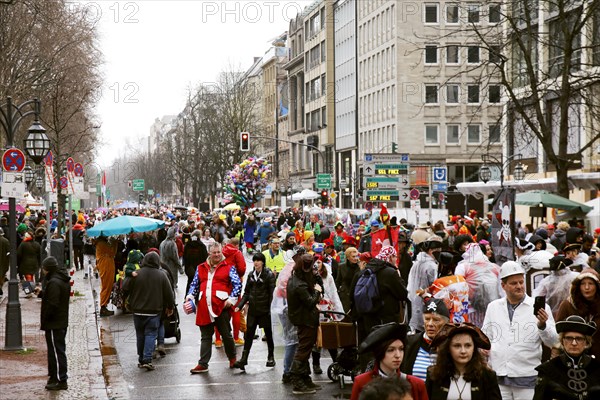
point(333, 195)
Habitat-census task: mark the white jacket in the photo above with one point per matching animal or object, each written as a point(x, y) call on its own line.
point(516, 347)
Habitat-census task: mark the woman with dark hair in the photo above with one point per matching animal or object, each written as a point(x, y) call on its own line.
point(386, 342)
point(303, 295)
point(584, 301)
point(257, 298)
point(460, 370)
point(573, 374)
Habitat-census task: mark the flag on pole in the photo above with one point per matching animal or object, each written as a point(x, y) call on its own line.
point(103, 187)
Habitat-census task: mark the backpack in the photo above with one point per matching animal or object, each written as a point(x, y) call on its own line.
point(366, 293)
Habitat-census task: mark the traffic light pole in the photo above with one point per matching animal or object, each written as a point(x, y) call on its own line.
point(300, 144)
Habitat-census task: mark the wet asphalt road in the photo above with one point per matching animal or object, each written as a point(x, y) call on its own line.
point(172, 379)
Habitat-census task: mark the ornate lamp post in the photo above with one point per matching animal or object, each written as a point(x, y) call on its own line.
point(485, 173)
point(11, 116)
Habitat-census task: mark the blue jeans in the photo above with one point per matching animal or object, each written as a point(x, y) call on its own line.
point(288, 357)
point(161, 334)
point(146, 331)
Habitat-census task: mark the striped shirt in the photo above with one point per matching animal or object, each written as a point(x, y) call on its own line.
point(422, 362)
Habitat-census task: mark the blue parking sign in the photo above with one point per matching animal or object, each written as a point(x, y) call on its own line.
point(440, 174)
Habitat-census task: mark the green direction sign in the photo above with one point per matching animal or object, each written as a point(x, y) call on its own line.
point(150, 192)
point(386, 195)
point(384, 182)
point(138, 185)
point(107, 193)
point(323, 181)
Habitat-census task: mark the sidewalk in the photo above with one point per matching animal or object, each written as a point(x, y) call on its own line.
point(23, 374)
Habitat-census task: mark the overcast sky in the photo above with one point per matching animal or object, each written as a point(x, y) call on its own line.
point(155, 49)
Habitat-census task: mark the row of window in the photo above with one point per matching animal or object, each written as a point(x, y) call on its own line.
point(315, 57)
point(316, 88)
point(377, 30)
point(316, 119)
point(377, 140)
point(378, 68)
point(454, 134)
point(453, 54)
point(454, 14)
point(377, 106)
point(453, 96)
point(314, 25)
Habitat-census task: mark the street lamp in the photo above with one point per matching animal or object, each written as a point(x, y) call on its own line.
point(11, 116)
point(36, 143)
point(29, 175)
point(485, 173)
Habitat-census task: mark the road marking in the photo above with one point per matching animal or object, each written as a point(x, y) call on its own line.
point(220, 384)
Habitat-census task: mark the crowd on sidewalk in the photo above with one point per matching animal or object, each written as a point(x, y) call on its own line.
point(431, 306)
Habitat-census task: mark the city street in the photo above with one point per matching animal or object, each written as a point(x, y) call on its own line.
point(172, 378)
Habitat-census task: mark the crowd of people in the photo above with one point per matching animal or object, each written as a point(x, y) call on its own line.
point(435, 315)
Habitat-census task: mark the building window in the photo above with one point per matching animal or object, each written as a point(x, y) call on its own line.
point(494, 130)
point(323, 51)
point(473, 94)
point(494, 94)
point(495, 55)
point(494, 13)
point(473, 134)
point(324, 116)
point(473, 13)
point(452, 94)
point(323, 85)
point(452, 14)
point(431, 94)
point(431, 13)
point(431, 55)
point(558, 44)
point(473, 54)
point(431, 134)
point(452, 54)
point(452, 134)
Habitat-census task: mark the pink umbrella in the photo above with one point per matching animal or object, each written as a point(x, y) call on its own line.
point(4, 207)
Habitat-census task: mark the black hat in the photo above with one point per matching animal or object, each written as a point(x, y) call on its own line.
point(431, 305)
point(559, 262)
point(535, 239)
point(573, 234)
point(450, 330)
point(446, 258)
point(50, 263)
point(381, 333)
point(575, 323)
point(572, 246)
point(524, 244)
point(403, 237)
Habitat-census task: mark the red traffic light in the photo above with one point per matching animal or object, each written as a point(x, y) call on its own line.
point(244, 141)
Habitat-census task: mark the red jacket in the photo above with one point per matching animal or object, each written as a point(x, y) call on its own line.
point(234, 257)
point(179, 244)
point(419, 392)
point(224, 285)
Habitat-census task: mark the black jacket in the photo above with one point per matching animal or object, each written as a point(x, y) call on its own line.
point(411, 349)
point(259, 292)
point(346, 273)
point(485, 387)
point(194, 254)
point(150, 291)
point(55, 301)
point(391, 292)
point(302, 302)
point(554, 382)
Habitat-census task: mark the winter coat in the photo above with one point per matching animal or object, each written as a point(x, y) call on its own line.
point(29, 257)
point(345, 275)
point(249, 231)
point(4, 258)
point(169, 256)
point(194, 254)
point(302, 302)
point(105, 255)
point(259, 292)
point(150, 291)
point(486, 387)
point(558, 239)
point(233, 256)
point(54, 313)
point(590, 311)
point(554, 381)
point(417, 385)
point(264, 232)
point(78, 232)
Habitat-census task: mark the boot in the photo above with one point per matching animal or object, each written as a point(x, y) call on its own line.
point(298, 372)
point(316, 361)
point(307, 379)
point(242, 362)
point(270, 360)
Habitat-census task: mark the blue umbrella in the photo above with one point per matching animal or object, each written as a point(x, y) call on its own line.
point(124, 225)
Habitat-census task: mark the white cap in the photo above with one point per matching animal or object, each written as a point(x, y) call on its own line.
point(510, 268)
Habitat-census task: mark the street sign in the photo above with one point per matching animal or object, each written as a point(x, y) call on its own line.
point(385, 182)
point(150, 192)
point(440, 174)
point(382, 158)
point(415, 194)
point(323, 181)
point(49, 159)
point(389, 169)
point(13, 184)
point(333, 195)
point(440, 187)
point(343, 184)
point(368, 206)
point(138, 185)
point(78, 170)
point(441, 197)
point(70, 165)
point(13, 160)
point(386, 195)
point(64, 182)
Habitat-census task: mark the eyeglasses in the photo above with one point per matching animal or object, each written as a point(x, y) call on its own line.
point(571, 339)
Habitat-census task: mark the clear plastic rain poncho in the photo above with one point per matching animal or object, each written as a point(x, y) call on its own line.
point(422, 274)
point(284, 332)
point(556, 287)
point(481, 276)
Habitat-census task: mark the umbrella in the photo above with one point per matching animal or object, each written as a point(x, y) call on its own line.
point(231, 207)
point(124, 225)
point(306, 194)
point(546, 199)
point(19, 208)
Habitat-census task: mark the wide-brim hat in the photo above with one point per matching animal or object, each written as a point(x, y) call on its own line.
point(575, 323)
point(350, 241)
point(403, 237)
point(431, 305)
point(448, 331)
point(382, 333)
point(573, 246)
point(424, 225)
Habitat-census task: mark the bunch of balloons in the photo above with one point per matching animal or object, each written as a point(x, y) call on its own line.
point(245, 183)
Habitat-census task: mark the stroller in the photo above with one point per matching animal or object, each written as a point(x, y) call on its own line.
point(171, 324)
point(340, 334)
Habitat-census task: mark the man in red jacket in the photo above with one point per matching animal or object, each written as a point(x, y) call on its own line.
point(217, 286)
point(234, 257)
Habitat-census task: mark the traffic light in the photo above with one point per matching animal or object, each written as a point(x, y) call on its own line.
point(394, 147)
point(324, 197)
point(244, 141)
point(140, 197)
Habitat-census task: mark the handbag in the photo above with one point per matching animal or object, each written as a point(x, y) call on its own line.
point(243, 325)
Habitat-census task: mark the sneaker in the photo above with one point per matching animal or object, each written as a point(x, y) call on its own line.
point(301, 388)
point(317, 369)
point(311, 385)
point(218, 344)
point(96, 275)
point(161, 350)
point(286, 379)
point(264, 338)
point(85, 276)
point(198, 369)
point(105, 312)
point(148, 366)
point(57, 386)
point(232, 363)
point(140, 365)
point(239, 342)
